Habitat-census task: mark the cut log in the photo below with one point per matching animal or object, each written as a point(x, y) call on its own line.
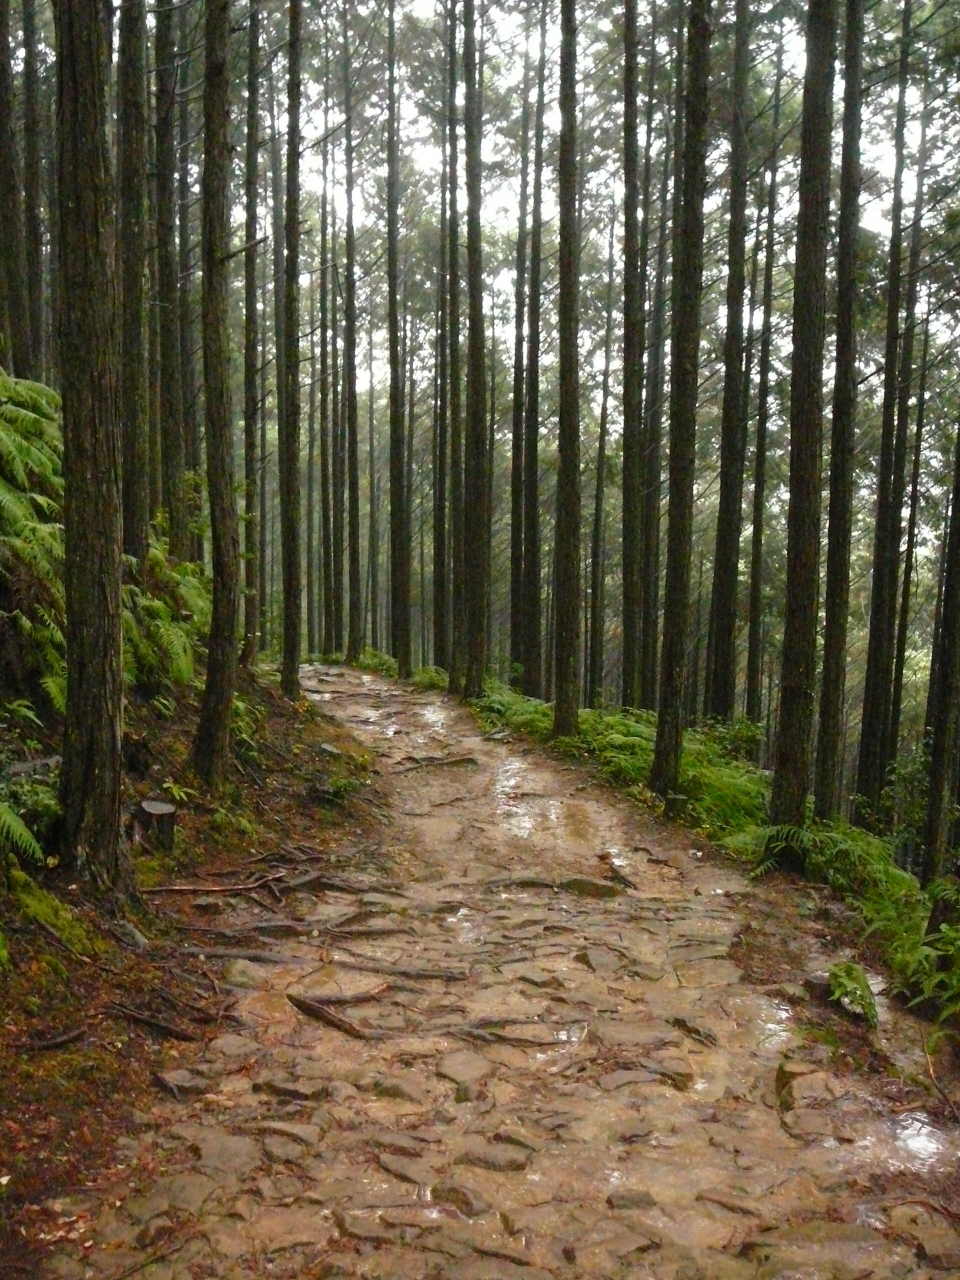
point(158, 820)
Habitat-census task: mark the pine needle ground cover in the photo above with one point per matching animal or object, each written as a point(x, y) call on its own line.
point(725, 796)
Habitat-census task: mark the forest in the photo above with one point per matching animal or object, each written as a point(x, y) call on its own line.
point(479, 639)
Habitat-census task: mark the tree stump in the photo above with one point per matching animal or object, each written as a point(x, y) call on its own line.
point(158, 819)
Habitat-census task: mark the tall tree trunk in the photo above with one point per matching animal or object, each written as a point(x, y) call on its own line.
point(456, 662)
point(567, 529)
point(171, 401)
point(632, 359)
point(798, 674)
point(311, 521)
point(251, 345)
point(190, 398)
point(399, 513)
point(289, 440)
point(652, 429)
point(754, 677)
point(212, 743)
point(132, 162)
point(903, 625)
point(326, 451)
point(684, 363)
point(874, 727)
point(153, 323)
point(721, 676)
point(373, 539)
point(263, 586)
point(532, 589)
point(903, 427)
point(943, 710)
point(520, 307)
point(829, 764)
point(337, 456)
point(32, 217)
point(475, 460)
point(355, 618)
point(441, 575)
point(14, 308)
point(90, 775)
point(597, 616)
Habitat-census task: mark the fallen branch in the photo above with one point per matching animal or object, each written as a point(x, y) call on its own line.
point(318, 1009)
point(236, 953)
point(55, 1042)
point(403, 971)
point(216, 888)
point(155, 1024)
point(438, 762)
point(148, 1261)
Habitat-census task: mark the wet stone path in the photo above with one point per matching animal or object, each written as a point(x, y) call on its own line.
point(526, 1054)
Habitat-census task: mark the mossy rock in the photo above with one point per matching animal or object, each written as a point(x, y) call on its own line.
point(42, 907)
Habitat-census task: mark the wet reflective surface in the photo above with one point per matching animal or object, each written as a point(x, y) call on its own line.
point(543, 1073)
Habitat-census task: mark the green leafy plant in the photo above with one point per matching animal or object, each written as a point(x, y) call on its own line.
point(849, 987)
point(431, 678)
point(382, 663)
point(180, 793)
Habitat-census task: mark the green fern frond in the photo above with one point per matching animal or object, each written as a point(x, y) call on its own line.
point(15, 835)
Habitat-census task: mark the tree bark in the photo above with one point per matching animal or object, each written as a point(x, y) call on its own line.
point(829, 764)
point(326, 537)
point(944, 702)
point(400, 642)
point(441, 573)
point(289, 441)
point(190, 396)
point(311, 518)
point(355, 611)
point(32, 216)
point(903, 624)
point(475, 460)
point(874, 727)
point(597, 617)
point(685, 344)
point(754, 677)
point(251, 346)
point(632, 359)
point(567, 528)
point(171, 401)
point(721, 675)
point(798, 675)
point(14, 307)
point(532, 683)
point(373, 538)
point(212, 744)
point(516, 455)
point(90, 774)
point(458, 617)
point(132, 165)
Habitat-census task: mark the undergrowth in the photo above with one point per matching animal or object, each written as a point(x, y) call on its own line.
point(725, 796)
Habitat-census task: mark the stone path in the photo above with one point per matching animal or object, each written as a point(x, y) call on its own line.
point(529, 1056)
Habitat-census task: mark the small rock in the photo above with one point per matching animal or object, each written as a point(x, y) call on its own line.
point(182, 1083)
point(306, 1135)
point(360, 1226)
point(299, 1090)
point(587, 887)
point(415, 1171)
point(245, 974)
point(208, 906)
point(617, 1079)
point(130, 935)
point(631, 1198)
point(152, 1232)
point(499, 1157)
point(467, 1070)
point(283, 1150)
point(232, 1045)
point(329, 749)
point(397, 1144)
point(406, 1086)
point(517, 1138)
point(462, 1198)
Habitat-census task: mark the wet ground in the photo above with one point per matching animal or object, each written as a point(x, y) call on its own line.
point(523, 1051)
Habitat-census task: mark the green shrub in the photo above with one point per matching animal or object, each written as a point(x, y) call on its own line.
point(431, 678)
point(382, 663)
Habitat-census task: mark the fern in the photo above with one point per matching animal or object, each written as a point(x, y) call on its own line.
point(15, 836)
point(849, 987)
